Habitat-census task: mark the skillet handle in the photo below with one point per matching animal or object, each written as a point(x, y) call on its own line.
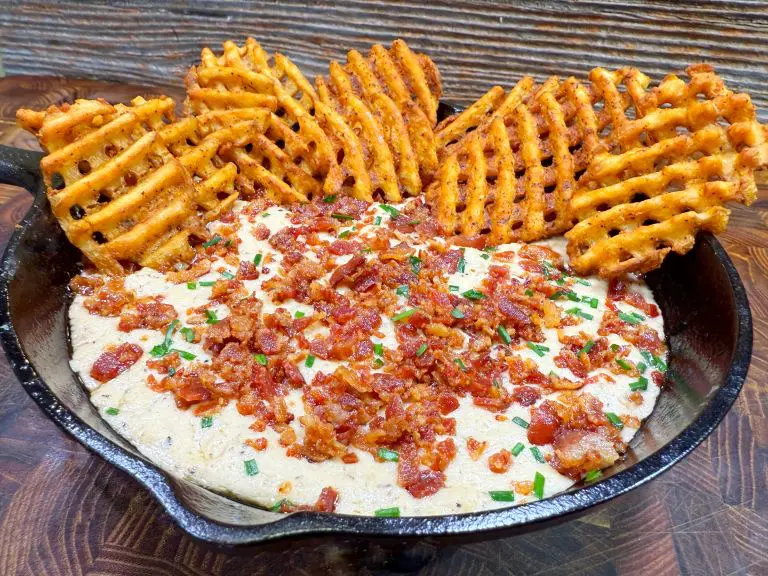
point(20, 167)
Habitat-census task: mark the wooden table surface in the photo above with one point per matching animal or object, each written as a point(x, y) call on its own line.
point(65, 511)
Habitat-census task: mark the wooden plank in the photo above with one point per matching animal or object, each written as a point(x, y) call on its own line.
point(475, 43)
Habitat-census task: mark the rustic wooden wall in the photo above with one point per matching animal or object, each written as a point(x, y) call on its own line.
point(476, 43)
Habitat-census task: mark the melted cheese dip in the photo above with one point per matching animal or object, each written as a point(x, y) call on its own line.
point(211, 451)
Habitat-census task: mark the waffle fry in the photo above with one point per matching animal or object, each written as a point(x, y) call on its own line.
point(666, 172)
point(511, 169)
point(117, 191)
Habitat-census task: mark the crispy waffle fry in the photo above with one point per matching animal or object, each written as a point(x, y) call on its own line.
point(513, 175)
point(667, 170)
point(117, 191)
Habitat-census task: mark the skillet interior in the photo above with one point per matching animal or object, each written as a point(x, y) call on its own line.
point(707, 321)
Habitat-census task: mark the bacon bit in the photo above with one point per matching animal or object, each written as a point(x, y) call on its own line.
point(544, 423)
point(631, 421)
point(475, 448)
point(658, 378)
point(500, 462)
point(200, 268)
point(247, 271)
point(327, 500)
point(346, 271)
point(568, 359)
point(149, 314)
point(470, 241)
point(447, 403)
point(350, 458)
point(342, 247)
point(285, 487)
point(258, 444)
point(617, 288)
point(636, 398)
point(446, 452)
point(523, 487)
point(164, 364)
point(419, 482)
point(636, 300)
point(109, 299)
point(578, 451)
point(501, 418)
point(85, 285)
point(539, 253)
point(114, 362)
point(526, 395)
point(260, 232)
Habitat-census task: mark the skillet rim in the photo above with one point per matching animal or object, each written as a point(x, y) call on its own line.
point(301, 524)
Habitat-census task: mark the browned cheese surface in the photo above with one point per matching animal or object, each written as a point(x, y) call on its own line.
point(66, 511)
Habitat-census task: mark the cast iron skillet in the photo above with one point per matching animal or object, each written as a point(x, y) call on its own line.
point(706, 316)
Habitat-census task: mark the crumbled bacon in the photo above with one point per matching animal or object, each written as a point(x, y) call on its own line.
point(500, 462)
point(544, 423)
point(476, 448)
point(109, 299)
point(150, 314)
point(116, 361)
point(85, 285)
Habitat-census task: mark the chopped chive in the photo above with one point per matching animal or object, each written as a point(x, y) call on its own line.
point(206, 421)
point(299, 314)
point(392, 211)
point(309, 362)
point(378, 349)
point(460, 364)
point(641, 384)
point(211, 317)
point(212, 242)
point(261, 359)
point(490, 249)
point(629, 318)
point(251, 468)
point(538, 455)
point(171, 371)
point(502, 495)
point(387, 512)
point(228, 243)
point(422, 349)
point(639, 317)
point(582, 281)
point(415, 264)
point(257, 259)
point(615, 347)
point(377, 221)
point(163, 348)
point(265, 214)
point(378, 363)
point(485, 256)
point(112, 411)
point(592, 475)
point(538, 485)
point(654, 361)
point(579, 312)
point(188, 333)
point(366, 250)
point(572, 296)
point(504, 335)
point(453, 288)
point(414, 222)
point(615, 420)
point(462, 266)
point(207, 282)
point(520, 422)
point(624, 364)
point(184, 354)
point(517, 448)
point(342, 217)
point(528, 292)
point(330, 199)
point(345, 233)
point(641, 367)
point(587, 347)
point(473, 294)
point(191, 285)
point(404, 314)
point(403, 290)
point(388, 455)
point(228, 275)
point(277, 506)
point(593, 302)
point(456, 313)
point(538, 348)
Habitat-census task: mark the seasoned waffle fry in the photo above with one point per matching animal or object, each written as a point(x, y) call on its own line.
point(666, 172)
point(117, 191)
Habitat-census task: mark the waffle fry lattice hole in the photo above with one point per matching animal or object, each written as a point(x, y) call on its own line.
point(665, 173)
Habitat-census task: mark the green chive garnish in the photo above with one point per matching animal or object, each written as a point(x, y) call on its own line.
point(587, 347)
point(212, 242)
point(228, 275)
point(261, 359)
point(538, 349)
point(251, 468)
point(184, 354)
point(641, 384)
point(414, 222)
point(592, 475)
point(265, 214)
point(207, 282)
point(453, 288)
point(456, 313)
point(538, 455)
point(277, 506)
point(629, 318)
point(460, 364)
point(641, 367)
point(388, 455)
point(422, 349)
point(579, 312)
point(654, 361)
point(345, 233)
point(188, 333)
point(502, 495)
point(257, 259)
point(520, 422)
point(330, 199)
point(112, 411)
point(191, 285)
point(538, 485)
point(228, 243)
point(211, 317)
point(615, 420)
point(582, 282)
point(162, 349)
point(404, 314)
point(504, 335)
point(387, 512)
point(299, 314)
point(378, 349)
point(171, 371)
point(310, 361)
point(415, 264)
point(473, 294)
point(517, 448)
point(378, 363)
point(624, 364)
point(206, 421)
point(528, 292)
point(462, 263)
point(377, 221)
point(402, 290)
point(485, 256)
point(393, 212)
point(342, 216)
point(593, 302)
point(615, 347)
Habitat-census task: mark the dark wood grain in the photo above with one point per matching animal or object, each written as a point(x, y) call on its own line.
point(65, 511)
point(476, 43)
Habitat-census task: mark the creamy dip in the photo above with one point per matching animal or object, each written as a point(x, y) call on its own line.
point(211, 449)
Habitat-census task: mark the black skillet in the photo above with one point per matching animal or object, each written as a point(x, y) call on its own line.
point(707, 321)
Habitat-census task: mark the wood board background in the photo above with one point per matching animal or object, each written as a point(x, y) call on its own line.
point(65, 511)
